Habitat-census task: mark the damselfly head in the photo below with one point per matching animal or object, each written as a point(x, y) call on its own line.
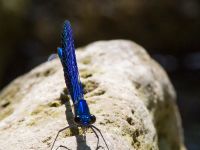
point(85, 120)
point(82, 114)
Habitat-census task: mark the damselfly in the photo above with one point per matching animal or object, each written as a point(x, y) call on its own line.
point(82, 116)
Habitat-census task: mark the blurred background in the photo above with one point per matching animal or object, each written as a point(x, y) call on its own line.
point(169, 30)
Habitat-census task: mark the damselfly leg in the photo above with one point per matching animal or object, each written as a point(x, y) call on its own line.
point(58, 135)
point(62, 147)
point(93, 127)
point(97, 138)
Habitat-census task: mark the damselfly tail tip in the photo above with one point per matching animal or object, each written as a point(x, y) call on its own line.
point(67, 24)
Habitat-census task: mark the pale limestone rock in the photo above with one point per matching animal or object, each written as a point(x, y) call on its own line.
point(129, 93)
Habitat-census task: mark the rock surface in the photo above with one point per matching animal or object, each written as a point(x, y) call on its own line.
point(129, 93)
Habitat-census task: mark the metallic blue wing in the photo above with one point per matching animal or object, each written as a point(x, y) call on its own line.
point(68, 60)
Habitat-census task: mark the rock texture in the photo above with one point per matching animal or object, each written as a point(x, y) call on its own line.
point(129, 93)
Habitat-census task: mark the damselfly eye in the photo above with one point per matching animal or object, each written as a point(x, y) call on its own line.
point(77, 119)
point(92, 119)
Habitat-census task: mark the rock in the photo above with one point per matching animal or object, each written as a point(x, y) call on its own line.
point(128, 92)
